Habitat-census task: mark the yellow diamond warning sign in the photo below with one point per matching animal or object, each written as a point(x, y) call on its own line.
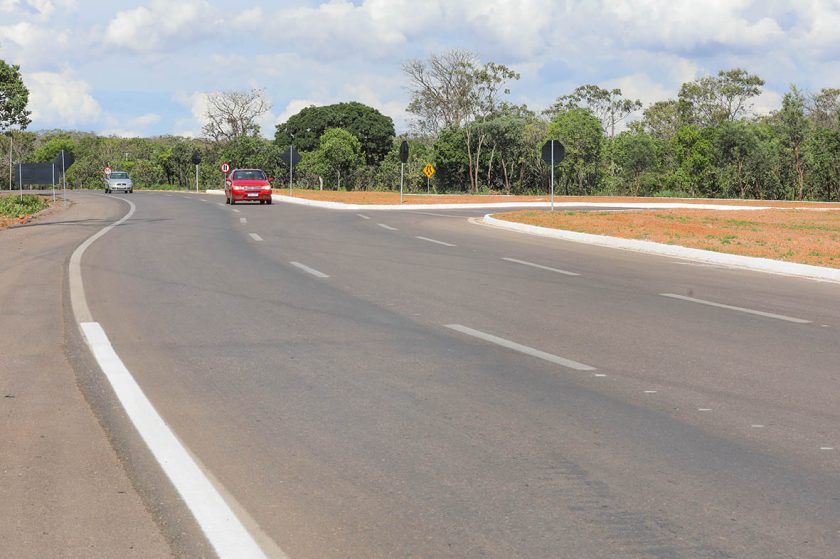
point(428, 170)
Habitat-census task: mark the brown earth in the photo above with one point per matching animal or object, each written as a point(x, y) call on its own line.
point(807, 237)
point(387, 197)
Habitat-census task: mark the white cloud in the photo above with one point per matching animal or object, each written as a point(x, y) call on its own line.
point(162, 26)
point(294, 107)
point(29, 44)
point(61, 99)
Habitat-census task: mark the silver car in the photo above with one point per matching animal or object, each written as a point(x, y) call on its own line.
point(118, 180)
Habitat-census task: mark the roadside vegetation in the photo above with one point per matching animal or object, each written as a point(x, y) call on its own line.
point(707, 141)
point(13, 207)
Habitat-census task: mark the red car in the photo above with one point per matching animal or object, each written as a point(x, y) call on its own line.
point(247, 184)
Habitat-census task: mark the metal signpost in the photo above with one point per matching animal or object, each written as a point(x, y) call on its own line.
point(553, 153)
point(63, 179)
point(428, 170)
point(403, 160)
point(224, 168)
point(291, 157)
point(196, 159)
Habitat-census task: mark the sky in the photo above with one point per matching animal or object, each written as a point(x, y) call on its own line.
point(144, 68)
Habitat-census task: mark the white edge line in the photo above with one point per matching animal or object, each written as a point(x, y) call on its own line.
point(223, 529)
point(427, 239)
point(520, 348)
point(739, 309)
point(309, 270)
point(540, 266)
point(765, 265)
point(220, 525)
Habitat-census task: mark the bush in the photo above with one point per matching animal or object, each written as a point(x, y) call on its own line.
point(15, 206)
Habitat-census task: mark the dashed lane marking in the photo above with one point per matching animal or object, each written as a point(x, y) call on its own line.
point(243, 220)
point(428, 240)
point(255, 237)
point(739, 309)
point(520, 348)
point(388, 227)
point(363, 216)
point(540, 266)
point(309, 270)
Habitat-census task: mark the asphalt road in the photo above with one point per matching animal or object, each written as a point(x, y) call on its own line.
point(410, 384)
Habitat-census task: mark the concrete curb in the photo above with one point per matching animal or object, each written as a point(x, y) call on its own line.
point(696, 255)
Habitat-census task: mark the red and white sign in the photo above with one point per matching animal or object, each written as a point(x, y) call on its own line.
point(224, 167)
point(107, 171)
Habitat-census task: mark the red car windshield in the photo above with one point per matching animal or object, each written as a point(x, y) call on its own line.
point(256, 175)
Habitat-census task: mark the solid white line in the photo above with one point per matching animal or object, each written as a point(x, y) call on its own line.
point(739, 309)
point(224, 531)
point(427, 239)
point(520, 348)
point(221, 526)
point(388, 227)
point(540, 266)
point(309, 270)
point(243, 220)
point(363, 216)
point(255, 237)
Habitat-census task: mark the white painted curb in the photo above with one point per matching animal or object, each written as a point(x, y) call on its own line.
point(696, 255)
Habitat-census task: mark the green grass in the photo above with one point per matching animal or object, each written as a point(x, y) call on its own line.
point(15, 206)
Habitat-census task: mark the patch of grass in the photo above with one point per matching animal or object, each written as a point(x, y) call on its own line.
point(727, 239)
point(15, 206)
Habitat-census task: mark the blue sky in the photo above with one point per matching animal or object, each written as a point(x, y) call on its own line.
point(144, 67)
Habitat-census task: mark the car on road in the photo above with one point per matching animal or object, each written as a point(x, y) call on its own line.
point(248, 185)
point(118, 181)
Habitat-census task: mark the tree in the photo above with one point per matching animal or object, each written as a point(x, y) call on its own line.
point(231, 114)
point(662, 119)
point(374, 130)
point(823, 160)
point(734, 142)
point(339, 153)
point(608, 105)
point(49, 149)
point(14, 97)
point(712, 100)
point(452, 90)
point(792, 126)
point(635, 153)
point(824, 107)
point(580, 133)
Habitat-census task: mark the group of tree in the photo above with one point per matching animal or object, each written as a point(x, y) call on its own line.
point(706, 142)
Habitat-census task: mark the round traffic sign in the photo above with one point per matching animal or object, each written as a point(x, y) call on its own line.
point(553, 152)
point(107, 170)
point(224, 167)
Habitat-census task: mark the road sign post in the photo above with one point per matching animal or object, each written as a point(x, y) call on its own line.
point(291, 157)
point(428, 170)
point(553, 153)
point(403, 159)
point(196, 159)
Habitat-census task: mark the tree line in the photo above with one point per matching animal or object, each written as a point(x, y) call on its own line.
point(706, 142)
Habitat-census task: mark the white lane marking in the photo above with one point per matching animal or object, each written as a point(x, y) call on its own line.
point(650, 391)
point(227, 535)
point(309, 270)
point(540, 266)
point(243, 220)
point(427, 239)
point(255, 237)
point(363, 216)
point(757, 426)
point(704, 409)
point(202, 199)
point(237, 211)
point(220, 525)
point(826, 448)
point(444, 215)
point(600, 375)
point(739, 309)
point(520, 348)
point(388, 227)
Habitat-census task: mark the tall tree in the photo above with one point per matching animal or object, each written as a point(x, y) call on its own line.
point(231, 114)
point(14, 97)
point(374, 130)
point(792, 125)
point(609, 105)
point(441, 89)
point(715, 99)
point(580, 133)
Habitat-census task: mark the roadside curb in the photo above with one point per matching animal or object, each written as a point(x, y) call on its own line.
point(696, 255)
